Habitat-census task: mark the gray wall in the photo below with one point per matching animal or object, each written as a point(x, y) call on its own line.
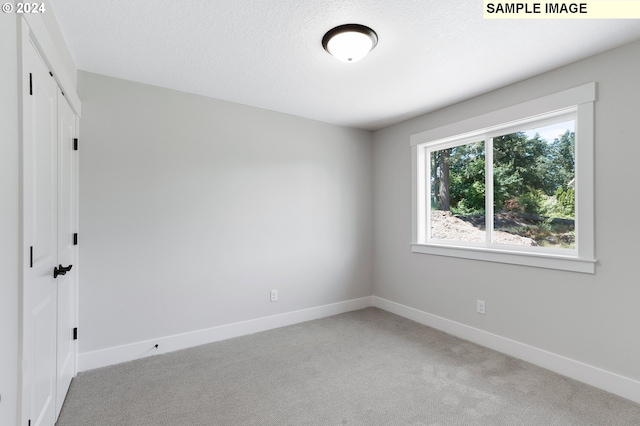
point(192, 209)
point(9, 223)
point(589, 318)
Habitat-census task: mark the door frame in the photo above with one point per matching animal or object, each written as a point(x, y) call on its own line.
point(32, 30)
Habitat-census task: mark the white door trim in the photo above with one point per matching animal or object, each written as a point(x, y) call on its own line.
point(48, 51)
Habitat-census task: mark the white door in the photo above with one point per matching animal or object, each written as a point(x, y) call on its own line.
point(66, 248)
point(40, 248)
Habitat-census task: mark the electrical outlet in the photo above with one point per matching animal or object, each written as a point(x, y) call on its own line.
point(480, 308)
point(274, 295)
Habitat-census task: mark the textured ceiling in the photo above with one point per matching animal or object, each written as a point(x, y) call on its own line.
point(268, 53)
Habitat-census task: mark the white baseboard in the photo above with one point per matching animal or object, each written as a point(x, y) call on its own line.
point(130, 352)
point(594, 376)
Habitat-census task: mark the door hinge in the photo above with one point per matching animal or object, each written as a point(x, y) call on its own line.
point(31, 257)
point(30, 84)
point(50, 73)
point(75, 144)
point(75, 333)
point(29, 424)
point(75, 239)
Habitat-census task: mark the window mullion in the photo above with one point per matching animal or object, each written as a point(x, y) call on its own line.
point(488, 185)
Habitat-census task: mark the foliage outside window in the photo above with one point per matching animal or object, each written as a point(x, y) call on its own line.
point(509, 191)
point(533, 175)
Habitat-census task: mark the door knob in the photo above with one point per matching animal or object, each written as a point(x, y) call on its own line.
point(61, 270)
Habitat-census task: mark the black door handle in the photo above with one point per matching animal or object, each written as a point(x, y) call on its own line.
point(61, 270)
point(57, 271)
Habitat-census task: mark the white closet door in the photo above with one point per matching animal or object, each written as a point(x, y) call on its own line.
point(66, 249)
point(40, 160)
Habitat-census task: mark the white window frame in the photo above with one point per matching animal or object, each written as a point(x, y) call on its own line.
point(576, 103)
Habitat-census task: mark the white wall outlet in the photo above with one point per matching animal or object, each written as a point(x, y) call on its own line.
point(274, 295)
point(480, 308)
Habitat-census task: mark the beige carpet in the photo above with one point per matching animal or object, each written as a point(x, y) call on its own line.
point(366, 367)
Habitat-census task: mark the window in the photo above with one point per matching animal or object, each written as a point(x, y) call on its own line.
point(512, 186)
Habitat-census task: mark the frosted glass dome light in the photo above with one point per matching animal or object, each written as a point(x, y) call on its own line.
point(350, 42)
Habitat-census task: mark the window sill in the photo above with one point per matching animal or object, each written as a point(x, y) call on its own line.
point(538, 260)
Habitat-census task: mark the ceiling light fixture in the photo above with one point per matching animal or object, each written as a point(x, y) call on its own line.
point(350, 42)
